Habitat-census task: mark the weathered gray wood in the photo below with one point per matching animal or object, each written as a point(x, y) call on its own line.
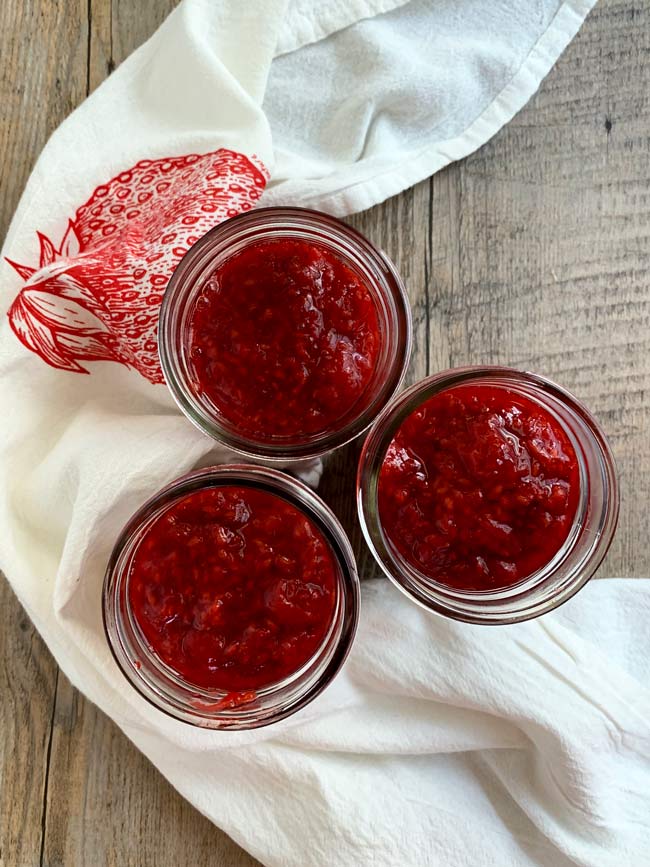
point(43, 73)
point(100, 49)
point(553, 263)
point(108, 805)
point(28, 681)
point(534, 252)
point(134, 21)
point(42, 78)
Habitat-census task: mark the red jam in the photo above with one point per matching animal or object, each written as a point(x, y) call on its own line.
point(234, 588)
point(284, 339)
point(479, 488)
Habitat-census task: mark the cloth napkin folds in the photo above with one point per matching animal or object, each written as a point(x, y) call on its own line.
point(439, 743)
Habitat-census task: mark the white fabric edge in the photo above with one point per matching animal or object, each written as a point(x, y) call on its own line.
point(368, 192)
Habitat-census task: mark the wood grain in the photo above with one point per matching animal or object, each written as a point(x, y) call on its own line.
point(534, 251)
point(134, 21)
point(42, 78)
point(108, 805)
point(28, 682)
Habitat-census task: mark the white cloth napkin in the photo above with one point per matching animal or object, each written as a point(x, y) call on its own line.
point(439, 743)
point(445, 744)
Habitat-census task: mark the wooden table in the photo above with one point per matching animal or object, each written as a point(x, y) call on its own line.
point(534, 251)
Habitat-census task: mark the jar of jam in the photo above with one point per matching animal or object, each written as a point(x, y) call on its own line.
point(283, 333)
point(231, 597)
point(487, 495)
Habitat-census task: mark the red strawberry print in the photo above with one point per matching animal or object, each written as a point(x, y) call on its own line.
point(96, 296)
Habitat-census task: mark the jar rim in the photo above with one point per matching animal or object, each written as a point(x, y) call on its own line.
point(380, 276)
point(168, 691)
point(539, 592)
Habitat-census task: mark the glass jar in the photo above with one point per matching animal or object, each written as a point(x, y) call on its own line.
point(346, 244)
point(588, 539)
point(212, 708)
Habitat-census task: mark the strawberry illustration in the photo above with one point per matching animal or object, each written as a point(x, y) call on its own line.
point(96, 296)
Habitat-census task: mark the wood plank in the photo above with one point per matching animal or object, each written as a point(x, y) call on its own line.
point(42, 78)
point(100, 59)
point(28, 680)
point(554, 232)
point(108, 805)
point(133, 21)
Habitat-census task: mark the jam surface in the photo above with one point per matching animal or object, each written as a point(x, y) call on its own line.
point(284, 339)
point(478, 488)
point(233, 587)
